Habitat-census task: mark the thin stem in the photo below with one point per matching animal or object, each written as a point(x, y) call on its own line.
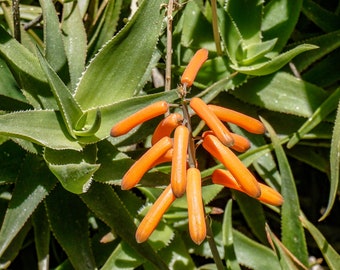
point(191, 148)
point(213, 246)
point(215, 27)
point(16, 20)
point(168, 46)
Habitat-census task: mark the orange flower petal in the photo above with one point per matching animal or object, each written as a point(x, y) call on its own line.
point(244, 121)
point(179, 161)
point(166, 126)
point(242, 175)
point(193, 67)
point(152, 218)
point(139, 117)
point(268, 195)
point(196, 216)
point(145, 163)
point(211, 120)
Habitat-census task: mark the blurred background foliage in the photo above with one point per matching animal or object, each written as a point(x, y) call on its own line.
point(70, 70)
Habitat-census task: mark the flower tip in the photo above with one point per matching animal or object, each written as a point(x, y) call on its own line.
point(140, 237)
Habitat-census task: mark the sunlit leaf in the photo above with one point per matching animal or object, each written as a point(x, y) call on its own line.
point(42, 127)
point(116, 72)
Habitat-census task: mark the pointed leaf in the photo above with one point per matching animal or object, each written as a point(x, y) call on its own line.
point(248, 18)
point(68, 106)
point(105, 203)
point(120, 110)
point(231, 36)
point(280, 17)
point(30, 77)
point(117, 70)
point(323, 18)
point(33, 185)
point(328, 106)
point(74, 37)
point(335, 165)
point(228, 241)
point(73, 169)
point(257, 51)
point(42, 127)
point(68, 218)
point(274, 64)
point(54, 46)
point(293, 236)
point(331, 256)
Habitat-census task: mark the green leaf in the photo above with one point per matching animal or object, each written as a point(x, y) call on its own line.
point(68, 219)
point(256, 51)
point(293, 236)
point(231, 36)
point(73, 169)
point(228, 241)
point(329, 253)
point(10, 156)
point(247, 15)
point(280, 18)
point(107, 26)
point(113, 113)
point(326, 20)
point(54, 46)
point(253, 254)
point(328, 106)
point(123, 257)
point(41, 236)
point(327, 43)
point(74, 37)
point(334, 164)
point(30, 77)
point(33, 185)
point(253, 214)
point(283, 93)
point(274, 64)
point(42, 127)
point(287, 259)
point(68, 106)
point(11, 98)
point(105, 203)
point(116, 71)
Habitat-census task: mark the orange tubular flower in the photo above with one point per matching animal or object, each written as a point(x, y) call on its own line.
point(244, 121)
point(193, 67)
point(152, 218)
point(139, 117)
point(166, 126)
point(197, 226)
point(142, 165)
point(268, 195)
point(242, 175)
point(179, 161)
point(215, 124)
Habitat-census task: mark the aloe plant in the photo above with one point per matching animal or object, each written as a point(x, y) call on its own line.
point(82, 66)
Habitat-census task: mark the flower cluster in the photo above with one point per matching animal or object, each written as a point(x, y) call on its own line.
point(172, 141)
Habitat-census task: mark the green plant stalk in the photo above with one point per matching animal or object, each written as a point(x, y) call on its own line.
point(168, 46)
point(213, 246)
point(215, 27)
point(16, 20)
